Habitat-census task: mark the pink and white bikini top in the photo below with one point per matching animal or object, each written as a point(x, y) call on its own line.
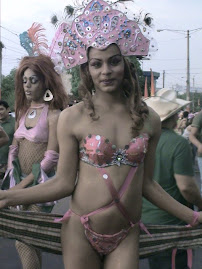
point(37, 134)
point(100, 152)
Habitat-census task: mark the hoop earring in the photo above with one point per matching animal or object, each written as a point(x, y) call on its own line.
point(48, 96)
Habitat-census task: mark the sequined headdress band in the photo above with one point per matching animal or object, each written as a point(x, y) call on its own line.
point(98, 26)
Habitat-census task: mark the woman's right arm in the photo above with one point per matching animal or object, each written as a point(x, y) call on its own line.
point(64, 182)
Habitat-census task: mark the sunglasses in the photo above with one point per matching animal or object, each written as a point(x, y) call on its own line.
point(32, 80)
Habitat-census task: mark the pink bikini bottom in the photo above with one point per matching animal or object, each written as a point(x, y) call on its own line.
point(102, 243)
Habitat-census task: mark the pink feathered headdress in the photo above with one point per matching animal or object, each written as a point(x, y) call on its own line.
point(98, 26)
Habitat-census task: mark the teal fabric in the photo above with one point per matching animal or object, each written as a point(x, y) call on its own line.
point(173, 156)
point(9, 128)
point(36, 170)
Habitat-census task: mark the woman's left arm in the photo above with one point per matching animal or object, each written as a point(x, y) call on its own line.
point(152, 191)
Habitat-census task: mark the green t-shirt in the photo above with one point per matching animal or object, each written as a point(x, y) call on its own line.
point(173, 156)
point(197, 122)
point(9, 128)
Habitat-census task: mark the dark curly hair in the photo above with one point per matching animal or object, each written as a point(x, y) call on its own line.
point(131, 89)
point(43, 66)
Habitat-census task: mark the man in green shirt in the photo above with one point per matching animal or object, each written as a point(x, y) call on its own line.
point(7, 122)
point(173, 171)
point(196, 138)
point(3, 137)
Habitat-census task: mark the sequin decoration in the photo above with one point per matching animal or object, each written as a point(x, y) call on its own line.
point(98, 26)
point(100, 152)
point(120, 156)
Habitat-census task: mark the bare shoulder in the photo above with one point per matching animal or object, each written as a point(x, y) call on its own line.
point(152, 123)
point(72, 113)
point(71, 116)
point(53, 115)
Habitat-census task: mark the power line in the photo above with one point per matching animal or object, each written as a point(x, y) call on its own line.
point(183, 69)
point(9, 30)
point(171, 39)
point(167, 59)
point(10, 40)
point(15, 51)
point(14, 48)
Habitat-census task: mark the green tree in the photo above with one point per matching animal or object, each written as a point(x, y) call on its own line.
point(8, 88)
point(139, 71)
point(75, 80)
point(196, 100)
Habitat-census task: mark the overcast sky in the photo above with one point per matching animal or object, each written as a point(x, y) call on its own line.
point(18, 16)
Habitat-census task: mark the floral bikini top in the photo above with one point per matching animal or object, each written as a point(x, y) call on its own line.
point(100, 152)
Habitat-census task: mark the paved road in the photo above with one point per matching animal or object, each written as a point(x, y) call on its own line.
point(9, 258)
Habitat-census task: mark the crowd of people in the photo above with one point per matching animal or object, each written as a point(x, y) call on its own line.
point(108, 152)
point(174, 171)
point(7, 123)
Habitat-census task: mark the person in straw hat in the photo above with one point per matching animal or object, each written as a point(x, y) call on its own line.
point(196, 139)
point(173, 171)
point(107, 144)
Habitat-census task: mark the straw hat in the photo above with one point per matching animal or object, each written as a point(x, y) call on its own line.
point(166, 103)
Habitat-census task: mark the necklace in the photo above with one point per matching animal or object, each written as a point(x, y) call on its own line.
point(32, 114)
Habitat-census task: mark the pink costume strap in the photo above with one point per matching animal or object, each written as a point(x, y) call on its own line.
point(120, 193)
point(13, 153)
point(189, 258)
point(189, 251)
point(194, 220)
point(115, 195)
point(116, 200)
point(127, 181)
point(50, 160)
point(66, 216)
point(173, 257)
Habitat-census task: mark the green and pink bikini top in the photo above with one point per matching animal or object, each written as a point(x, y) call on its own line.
point(100, 152)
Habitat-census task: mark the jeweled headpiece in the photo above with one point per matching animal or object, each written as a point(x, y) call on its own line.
point(98, 26)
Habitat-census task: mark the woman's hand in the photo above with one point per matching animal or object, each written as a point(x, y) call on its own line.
point(200, 148)
point(3, 199)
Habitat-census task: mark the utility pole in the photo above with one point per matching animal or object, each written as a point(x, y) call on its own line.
point(188, 69)
point(163, 78)
point(194, 92)
point(188, 59)
point(1, 47)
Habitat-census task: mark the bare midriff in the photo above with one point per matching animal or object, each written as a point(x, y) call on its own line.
point(92, 193)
